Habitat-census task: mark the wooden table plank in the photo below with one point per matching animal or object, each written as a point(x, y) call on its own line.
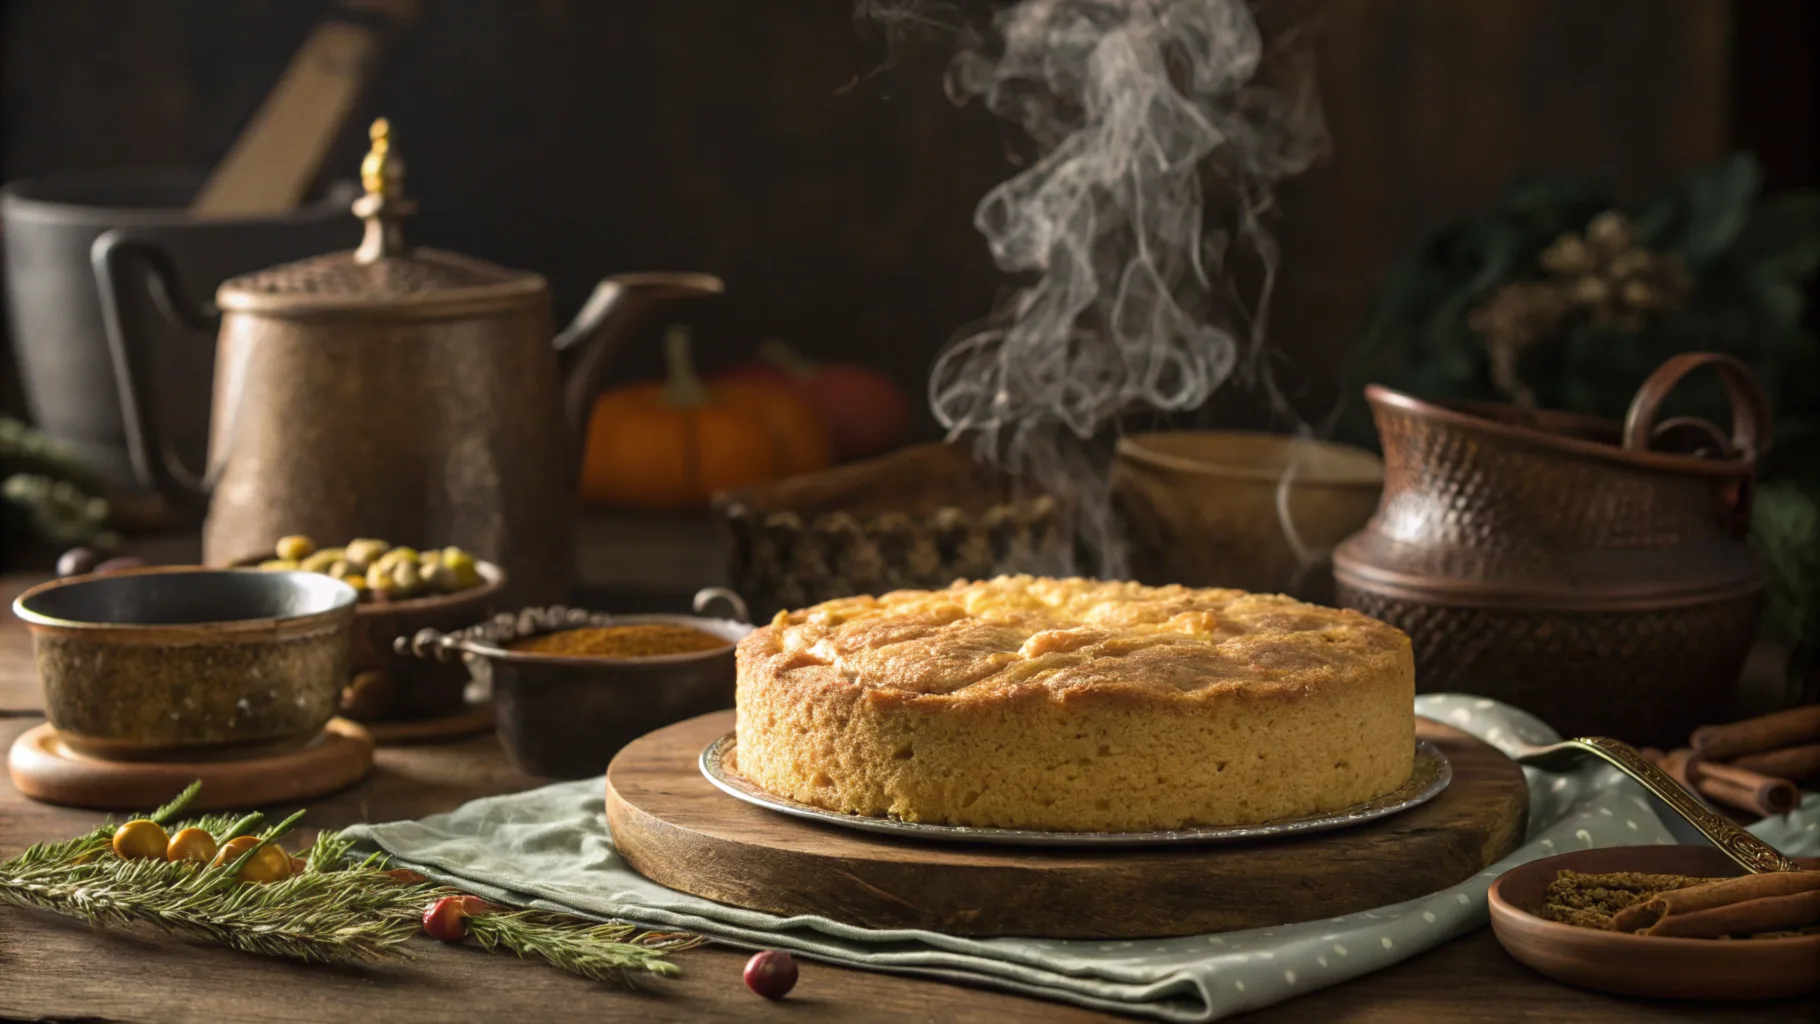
point(54, 968)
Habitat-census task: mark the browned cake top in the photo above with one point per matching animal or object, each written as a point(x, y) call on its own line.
point(1017, 632)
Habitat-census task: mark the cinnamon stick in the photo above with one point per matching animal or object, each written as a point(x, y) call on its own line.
point(1710, 895)
point(1769, 914)
point(1794, 727)
point(1742, 788)
point(1796, 764)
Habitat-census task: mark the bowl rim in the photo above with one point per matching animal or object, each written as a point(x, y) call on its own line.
point(1460, 416)
point(493, 580)
point(1365, 470)
point(497, 652)
point(343, 606)
point(493, 576)
point(1498, 907)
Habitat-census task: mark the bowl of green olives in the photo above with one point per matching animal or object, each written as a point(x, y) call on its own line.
point(400, 590)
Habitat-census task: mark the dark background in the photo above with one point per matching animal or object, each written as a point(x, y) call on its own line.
point(583, 137)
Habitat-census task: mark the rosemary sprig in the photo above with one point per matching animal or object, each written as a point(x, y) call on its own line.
point(339, 917)
point(93, 842)
point(335, 911)
point(600, 952)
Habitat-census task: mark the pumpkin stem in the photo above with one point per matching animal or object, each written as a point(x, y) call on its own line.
point(683, 386)
point(786, 358)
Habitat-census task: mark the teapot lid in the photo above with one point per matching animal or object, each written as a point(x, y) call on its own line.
point(385, 271)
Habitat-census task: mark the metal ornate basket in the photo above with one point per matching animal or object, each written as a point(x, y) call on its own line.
point(920, 517)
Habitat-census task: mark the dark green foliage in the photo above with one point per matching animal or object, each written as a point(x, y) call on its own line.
point(44, 493)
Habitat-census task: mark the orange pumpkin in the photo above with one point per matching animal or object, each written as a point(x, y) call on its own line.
point(674, 443)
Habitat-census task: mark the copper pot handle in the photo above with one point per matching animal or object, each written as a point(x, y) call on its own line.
point(1750, 409)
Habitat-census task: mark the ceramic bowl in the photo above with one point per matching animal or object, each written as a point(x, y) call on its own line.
point(417, 688)
point(1259, 512)
point(1641, 965)
point(178, 662)
point(566, 717)
point(413, 688)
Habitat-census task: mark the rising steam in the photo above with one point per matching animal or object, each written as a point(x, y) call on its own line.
point(1157, 152)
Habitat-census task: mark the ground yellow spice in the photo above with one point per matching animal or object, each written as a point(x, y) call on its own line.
point(642, 640)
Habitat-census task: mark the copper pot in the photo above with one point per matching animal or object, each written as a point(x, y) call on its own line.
point(393, 392)
point(1593, 574)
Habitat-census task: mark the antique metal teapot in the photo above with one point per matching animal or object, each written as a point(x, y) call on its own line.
point(393, 392)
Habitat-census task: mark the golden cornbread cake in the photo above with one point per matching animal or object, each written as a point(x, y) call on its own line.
point(1076, 705)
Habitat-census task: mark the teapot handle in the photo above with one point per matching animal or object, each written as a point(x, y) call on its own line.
point(115, 256)
point(586, 347)
point(1751, 428)
point(1750, 435)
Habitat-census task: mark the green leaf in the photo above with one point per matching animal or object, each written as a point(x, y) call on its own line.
point(1782, 239)
point(1714, 205)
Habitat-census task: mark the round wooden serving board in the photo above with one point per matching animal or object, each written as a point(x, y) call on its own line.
point(43, 768)
point(675, 828)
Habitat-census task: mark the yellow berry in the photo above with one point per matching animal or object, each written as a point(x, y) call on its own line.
point(270, 864)
point(192, 844)
point(140, 840)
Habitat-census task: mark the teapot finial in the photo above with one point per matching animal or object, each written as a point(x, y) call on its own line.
point(384, 205)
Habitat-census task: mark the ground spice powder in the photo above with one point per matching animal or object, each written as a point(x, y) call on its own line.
point(641, 640)
point(1591, 900)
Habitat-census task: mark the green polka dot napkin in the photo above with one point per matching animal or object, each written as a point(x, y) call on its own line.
point(549, 848)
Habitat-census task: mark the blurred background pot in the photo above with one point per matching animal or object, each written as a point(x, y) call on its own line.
point(386, 686)
point(1258, 512)
point(398, 687)
point(74, 270)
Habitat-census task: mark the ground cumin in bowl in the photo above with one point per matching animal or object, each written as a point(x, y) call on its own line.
point(641, 640)
point(572, 686)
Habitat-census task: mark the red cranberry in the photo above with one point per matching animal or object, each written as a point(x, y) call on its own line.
point(446, 919)
point(771, 974)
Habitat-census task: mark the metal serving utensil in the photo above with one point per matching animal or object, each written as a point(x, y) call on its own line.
point(1752, 854)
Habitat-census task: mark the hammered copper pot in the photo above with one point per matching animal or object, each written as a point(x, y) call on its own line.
point(1593, 574)
point(394, 392)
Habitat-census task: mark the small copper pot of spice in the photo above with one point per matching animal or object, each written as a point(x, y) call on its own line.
point(573, 686)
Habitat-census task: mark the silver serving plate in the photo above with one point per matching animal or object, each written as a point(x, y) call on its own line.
point(1432, 774)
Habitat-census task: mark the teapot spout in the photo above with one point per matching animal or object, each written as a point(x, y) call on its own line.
point(586, 348)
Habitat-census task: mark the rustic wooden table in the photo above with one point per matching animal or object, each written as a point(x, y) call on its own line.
point(52, 968)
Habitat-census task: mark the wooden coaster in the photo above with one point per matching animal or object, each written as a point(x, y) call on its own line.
point(675, 828)
point(471, 720)
point(43, 768)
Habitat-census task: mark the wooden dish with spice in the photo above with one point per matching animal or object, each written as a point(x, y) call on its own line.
point(1702, 930)
point(573, 686)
